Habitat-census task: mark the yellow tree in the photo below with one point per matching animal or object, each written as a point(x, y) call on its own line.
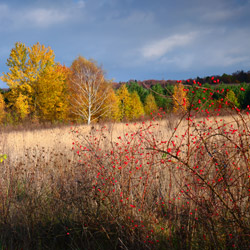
point(23, 90)
point(22, 106)
point(32, 69)
point(136, 106)
point(2, 108)
point(89, 90)
point(180, 99)
point(17, 64)
point(53, 97)
point(40, 64)
point(150, 104)
point(112, 103)
point(124, 102)
point(232, 99)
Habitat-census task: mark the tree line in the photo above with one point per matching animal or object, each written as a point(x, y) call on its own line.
point(41, 89)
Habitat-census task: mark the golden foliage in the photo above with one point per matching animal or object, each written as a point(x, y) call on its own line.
point(37, 81)
point(136, 109)
point(52, 99)
point(22, 106)
point(27, 64)
point(17, 65)
point(130, 105)
point(232, 99)
point(180, 99)
point(88, 90)
point(150, 104)
point(124, 102)
point(2, 108)
point(112, 103)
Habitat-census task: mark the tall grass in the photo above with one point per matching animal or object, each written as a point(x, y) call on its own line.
point(172, 182)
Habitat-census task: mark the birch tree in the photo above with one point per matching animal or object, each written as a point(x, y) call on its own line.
point(89, 90)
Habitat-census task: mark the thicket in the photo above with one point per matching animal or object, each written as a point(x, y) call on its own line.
point(138, 190)
point(160, 97)
point(42, 90)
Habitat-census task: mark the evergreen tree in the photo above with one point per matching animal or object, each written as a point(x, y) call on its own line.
point(168, 92)
point(141, 91)
point(158, 93)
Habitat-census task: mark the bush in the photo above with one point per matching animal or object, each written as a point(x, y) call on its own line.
point(159, 184)
point(190, 190)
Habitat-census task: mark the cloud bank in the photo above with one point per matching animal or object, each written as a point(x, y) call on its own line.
point(134, 39)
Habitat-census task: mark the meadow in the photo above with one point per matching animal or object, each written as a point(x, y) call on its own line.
point(170, 182)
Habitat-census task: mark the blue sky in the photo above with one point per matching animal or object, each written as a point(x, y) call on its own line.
point(134, 39)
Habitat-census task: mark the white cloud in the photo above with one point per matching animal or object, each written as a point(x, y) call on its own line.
point(161, 47)
point(40, 17)
point(210, 48)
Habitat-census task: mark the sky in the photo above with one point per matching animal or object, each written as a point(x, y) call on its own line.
point(134, 39)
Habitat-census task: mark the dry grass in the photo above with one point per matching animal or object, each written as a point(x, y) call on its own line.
point(120, 187)
point(16, 144)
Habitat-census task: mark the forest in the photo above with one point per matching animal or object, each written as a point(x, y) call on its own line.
point(42, 90)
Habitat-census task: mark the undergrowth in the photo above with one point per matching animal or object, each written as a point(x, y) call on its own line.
point(138, 190)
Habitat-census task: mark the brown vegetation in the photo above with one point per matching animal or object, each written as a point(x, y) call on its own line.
point(138, 185)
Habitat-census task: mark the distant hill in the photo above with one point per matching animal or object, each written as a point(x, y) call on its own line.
point(235, 78)
point(146, 83)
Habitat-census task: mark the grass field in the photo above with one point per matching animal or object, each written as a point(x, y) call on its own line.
point(173, 182)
